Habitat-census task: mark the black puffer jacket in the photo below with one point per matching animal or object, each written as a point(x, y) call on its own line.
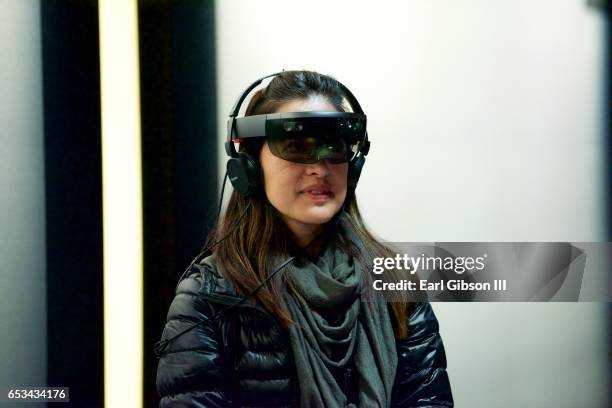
point(243, 358)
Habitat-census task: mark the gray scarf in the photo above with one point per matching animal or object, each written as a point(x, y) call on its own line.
point(334, 327)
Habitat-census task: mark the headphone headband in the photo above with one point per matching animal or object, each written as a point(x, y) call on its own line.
point(236, 108)
point(245, 93)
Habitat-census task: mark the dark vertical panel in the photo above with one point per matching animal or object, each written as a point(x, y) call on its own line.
point(178, 119)
point(608, 132)
point(605, 7)
point(607, 128)
point(73, 198)
point(195, 114)
point(155, 38)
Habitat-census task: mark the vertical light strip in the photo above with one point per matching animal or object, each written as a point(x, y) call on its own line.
point(122, 203)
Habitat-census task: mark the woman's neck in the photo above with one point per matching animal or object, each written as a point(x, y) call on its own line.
point(308, 237)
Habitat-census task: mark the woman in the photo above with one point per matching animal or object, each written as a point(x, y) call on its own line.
point(275, 317)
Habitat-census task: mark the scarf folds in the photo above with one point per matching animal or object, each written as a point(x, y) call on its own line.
point(334, 328)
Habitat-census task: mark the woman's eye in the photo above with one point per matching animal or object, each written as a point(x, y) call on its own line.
point(337, 145)
point(292, 147)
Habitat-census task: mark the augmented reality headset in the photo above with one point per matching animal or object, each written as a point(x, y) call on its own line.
point(302, 137)
point(306, 137)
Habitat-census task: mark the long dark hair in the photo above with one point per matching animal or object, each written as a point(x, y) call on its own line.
point(260, 237)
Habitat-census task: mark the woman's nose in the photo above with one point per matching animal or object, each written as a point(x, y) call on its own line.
point(320, 168)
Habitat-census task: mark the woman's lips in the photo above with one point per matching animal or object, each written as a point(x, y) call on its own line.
point(318, 197)
point(318, 193)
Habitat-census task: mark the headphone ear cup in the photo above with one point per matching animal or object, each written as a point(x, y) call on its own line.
point(243, 173)
point(354, 172)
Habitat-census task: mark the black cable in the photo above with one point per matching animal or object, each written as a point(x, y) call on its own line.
point(205, 249)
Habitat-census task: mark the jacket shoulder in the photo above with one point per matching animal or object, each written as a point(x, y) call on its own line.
point(191, 370)
point(210, 278)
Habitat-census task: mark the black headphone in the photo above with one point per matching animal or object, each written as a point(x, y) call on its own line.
point(243, 169)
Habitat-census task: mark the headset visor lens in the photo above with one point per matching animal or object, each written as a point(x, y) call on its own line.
point(308, 140)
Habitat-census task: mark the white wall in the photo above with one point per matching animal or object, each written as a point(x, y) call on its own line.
point(486, 121)
point(23, 317)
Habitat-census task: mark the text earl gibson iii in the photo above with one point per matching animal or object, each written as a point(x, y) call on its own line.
point(451, 284)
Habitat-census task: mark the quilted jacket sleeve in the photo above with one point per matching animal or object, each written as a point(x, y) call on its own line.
point(421, 380)
point(189, 373)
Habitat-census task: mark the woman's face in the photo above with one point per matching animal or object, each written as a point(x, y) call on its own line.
point(291, 187)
